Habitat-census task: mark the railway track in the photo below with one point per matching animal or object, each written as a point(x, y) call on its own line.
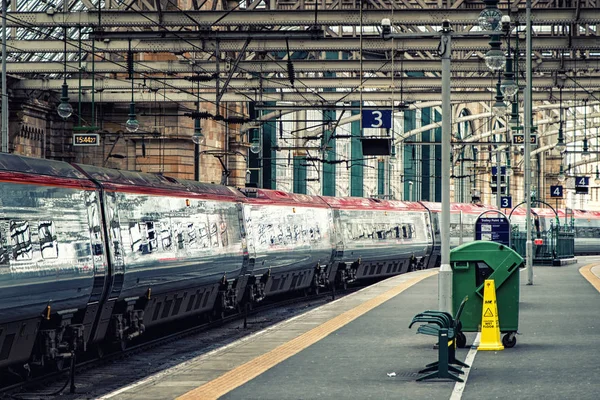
point(93, 377)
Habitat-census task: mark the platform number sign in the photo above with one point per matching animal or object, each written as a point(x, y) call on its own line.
point(581, 184)
point(506, 202)
point(556, 191)
point(376, 118)
point(582, 181)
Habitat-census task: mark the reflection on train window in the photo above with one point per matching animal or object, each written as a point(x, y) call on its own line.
point(3, 250)
point(165, 236)
point(143, 237)
point(191, 233)
point(47, 238)
point(203, 234)
point(223, 229)
point(179, 236)
point(20, 237)
point(214, 239)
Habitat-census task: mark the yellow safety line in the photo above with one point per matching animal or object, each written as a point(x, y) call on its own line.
point(587, 273)
point(244, 373)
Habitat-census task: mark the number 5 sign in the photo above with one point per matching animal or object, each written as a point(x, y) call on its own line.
point(376, 118)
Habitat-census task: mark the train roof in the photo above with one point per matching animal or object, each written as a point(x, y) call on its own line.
point(147, 183)
point(547, 212)
point(468, 208)
point(267, 196)
point(586, 214)
point(41, 171)
point(361, 203)
point(39, 166)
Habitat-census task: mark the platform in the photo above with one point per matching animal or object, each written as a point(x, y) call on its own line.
point(347, 349)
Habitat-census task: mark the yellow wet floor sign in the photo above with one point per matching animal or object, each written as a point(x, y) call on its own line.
point(490, 325)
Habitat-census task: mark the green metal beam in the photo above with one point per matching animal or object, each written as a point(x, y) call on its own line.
point(300, 174)
point(356, 154)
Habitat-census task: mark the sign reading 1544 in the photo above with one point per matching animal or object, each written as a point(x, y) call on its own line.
point(86, 139)
point(520, 139)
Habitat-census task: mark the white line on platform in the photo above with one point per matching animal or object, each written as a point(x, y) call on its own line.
point(459, 387)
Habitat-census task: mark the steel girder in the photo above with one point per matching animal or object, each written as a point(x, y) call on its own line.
point(270, 66)
point(369, 43)
point(321, 99)
point(349, 17)
point(408, 84)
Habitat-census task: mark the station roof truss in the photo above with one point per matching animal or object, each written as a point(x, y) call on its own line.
point(242, 54)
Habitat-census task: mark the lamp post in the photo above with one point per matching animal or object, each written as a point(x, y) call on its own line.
point(527, 162)
point(489, 19)
point(64, 109)
point(445, 274)
point(499, 110)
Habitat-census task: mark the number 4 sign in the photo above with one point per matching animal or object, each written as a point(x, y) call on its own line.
point(556, 191)
point(582, 181)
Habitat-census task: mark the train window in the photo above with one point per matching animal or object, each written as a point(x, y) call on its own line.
point(225, 239)
point(143, 237)
point(214, 239)
point(152, 239)
point(47, 238)
point(203, 236)
point(179, 235)
point(165, 236)
point(3, 250)
point(317, 233)
point(191, 233)
point(136, 238)
point(20, 237)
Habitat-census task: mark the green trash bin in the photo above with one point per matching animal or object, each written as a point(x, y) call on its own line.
point(472, 263)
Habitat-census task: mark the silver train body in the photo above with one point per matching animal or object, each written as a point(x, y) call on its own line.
point(90, 256)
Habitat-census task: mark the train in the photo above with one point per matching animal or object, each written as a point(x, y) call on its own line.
point(91, 256)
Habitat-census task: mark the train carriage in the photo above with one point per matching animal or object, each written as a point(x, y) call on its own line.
point(176, 249)
point(377, 238)
point(52, 263)
point(462, 220)
point(587, 231)
point(289, 241)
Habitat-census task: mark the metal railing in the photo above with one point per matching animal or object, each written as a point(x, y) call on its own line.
point(555, 243)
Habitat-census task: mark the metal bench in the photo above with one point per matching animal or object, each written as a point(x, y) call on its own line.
point(448, 329)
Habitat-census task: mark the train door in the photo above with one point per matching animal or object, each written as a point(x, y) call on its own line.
point(434, 226)
point(115, 262)
point(92, 203)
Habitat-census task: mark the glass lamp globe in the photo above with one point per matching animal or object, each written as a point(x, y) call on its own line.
point(495, 59)
point(585, 155)
point(597, 180)
point(132, 124)
point(489, 19)
point(509, 171)
point(65, 110)
point(509, 88)
point(560, 145)
point(255, 146)
point(499, 109)
point(561, 177)
point(198, 138)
